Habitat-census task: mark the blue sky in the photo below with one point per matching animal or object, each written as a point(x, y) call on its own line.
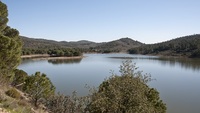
point(148, 21)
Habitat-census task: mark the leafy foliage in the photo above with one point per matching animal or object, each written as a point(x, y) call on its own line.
point(39, 87)
point(19, 78)
point(3, 16)
point(64, 52)
point(52, 51)
point(128, 93)
point(10, 46)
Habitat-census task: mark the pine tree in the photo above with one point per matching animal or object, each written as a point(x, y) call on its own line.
point(10, 46)
point(3, 16)
point(39, 87)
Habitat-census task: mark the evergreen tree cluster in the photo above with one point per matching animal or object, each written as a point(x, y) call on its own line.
point(10, 46)
point(53, 51)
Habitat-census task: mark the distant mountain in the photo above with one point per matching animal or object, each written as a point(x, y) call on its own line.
point(121, 45)
point(43, 43)
point(183, 46)
point(188, 46)
point(82, 44)
point(39, 43)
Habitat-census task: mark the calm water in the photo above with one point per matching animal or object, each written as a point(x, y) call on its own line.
point(177, 80)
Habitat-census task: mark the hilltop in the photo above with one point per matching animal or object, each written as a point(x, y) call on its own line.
point(120, 45)
point(188, 46)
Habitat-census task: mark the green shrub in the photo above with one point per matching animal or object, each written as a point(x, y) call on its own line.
point(127, 93)
point(13, 93)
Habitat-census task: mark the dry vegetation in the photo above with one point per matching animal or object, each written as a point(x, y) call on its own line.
point(16, 105)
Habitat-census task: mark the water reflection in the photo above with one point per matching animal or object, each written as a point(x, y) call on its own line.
point(64, 61)
point(186, 63)
point(30, 61)
point(181, 93)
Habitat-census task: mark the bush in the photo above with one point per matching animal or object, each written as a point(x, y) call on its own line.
point(19, 78)
point(13, 93)
point(60, 103)
point(39, 86)
point(128, 93)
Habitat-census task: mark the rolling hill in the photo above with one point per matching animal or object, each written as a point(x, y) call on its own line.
point(188, 46)
point(121, 45)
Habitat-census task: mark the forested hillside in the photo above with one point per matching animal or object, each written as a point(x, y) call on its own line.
point(188, 46)
point(44, 43)
point(53, 48)
point(121, 45)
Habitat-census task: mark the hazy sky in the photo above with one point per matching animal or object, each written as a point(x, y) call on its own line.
point(148, 21)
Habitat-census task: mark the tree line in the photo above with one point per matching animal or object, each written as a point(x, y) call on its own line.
point(184, 46)
point(57, 52)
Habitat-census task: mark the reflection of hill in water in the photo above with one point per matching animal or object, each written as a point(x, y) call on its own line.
point(187, 63)
point(64, 61)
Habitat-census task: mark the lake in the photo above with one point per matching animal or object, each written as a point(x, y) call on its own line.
point(177, 79)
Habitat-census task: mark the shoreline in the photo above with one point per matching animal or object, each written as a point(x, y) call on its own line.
point(48, 57)
point(35, 56)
